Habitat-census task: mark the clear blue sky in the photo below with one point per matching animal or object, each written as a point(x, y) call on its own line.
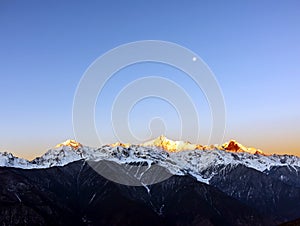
point(253, 48)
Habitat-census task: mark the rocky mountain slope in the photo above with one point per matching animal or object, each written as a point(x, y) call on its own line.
point(77, 195)
point(175, 182)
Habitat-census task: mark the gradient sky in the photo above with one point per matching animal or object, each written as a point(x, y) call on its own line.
point(253, 48)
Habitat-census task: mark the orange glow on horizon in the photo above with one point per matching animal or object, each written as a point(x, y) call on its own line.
point(268, 148)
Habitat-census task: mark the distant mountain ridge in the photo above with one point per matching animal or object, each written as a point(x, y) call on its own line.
point(230, 184)
point(158, 150)
point(177, 146)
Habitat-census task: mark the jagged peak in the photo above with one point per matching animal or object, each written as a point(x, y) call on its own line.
point(234, 146)
point(124, 145)
point(70, 143)
point(202, 156)
point(176, 146)
point(170, 145)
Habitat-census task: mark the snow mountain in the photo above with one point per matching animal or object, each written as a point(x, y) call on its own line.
point(228, 184)
point(178, 157)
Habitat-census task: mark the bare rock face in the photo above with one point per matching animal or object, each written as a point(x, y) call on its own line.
point(76, 195)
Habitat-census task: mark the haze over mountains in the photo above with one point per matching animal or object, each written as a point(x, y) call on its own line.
point(205, 185)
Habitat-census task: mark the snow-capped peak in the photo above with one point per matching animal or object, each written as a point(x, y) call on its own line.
point(171, 145)
point(118, 144)
point(69, 143)
point(9, 160)
point(178, 157)
point(233, 146)
point(177, 146)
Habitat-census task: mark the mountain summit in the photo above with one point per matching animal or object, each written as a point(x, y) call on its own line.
point(234, 146)
point(170, 145)
point(177, 146)
point(69, 143)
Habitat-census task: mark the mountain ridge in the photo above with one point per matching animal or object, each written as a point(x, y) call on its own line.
point(202, 163)
point(168, 145)
point(66, 182)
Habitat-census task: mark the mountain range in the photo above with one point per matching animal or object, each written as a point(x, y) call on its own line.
point(175, 183)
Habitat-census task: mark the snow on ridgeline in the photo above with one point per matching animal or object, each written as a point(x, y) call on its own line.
point(9, 160)
point(179, 157)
